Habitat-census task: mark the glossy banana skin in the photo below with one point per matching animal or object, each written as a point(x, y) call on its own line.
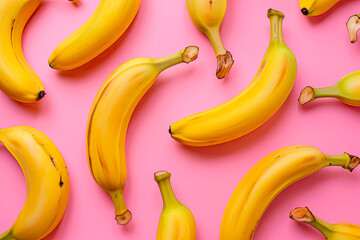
point(101, 30)
point(337, 231)
point(252, 107)
point(17, 80)
point(109, 118)
point(47, 182)
point(266, 180)
point(176, 220)
point(207, 16)
point(346, 90)
point(316, 7)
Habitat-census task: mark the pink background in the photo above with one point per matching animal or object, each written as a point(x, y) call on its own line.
point(202, 178)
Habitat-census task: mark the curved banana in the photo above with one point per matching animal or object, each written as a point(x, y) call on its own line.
point(47, 182)
point(338, 231)
point(316, 7)
point(266, 180)
point(176, 220)
point(109, 118)
point(252, 107)
point(101, 30)
point(346, 90)
point(17, 80)
point(207, 15)
point(353, 26)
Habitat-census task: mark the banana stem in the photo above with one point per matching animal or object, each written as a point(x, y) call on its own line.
point(187, 55)
point(167, 194)
point(123, 215)
point(7, 236)
point(353, 25)
point(276, 19)
point(309, 94)
point(305, 215)
point(345, 160)
point(215, 39)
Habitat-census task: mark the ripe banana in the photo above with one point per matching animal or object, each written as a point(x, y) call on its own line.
point(251, 108)
point(18, 80)
point(207, 15)
point(176, 220)
point(266, 180)
point(47, 182)
point(338, 231)
point(109, 118)
point(347, 90)
point(316, 7)
point(353, 26)
point(102, 29)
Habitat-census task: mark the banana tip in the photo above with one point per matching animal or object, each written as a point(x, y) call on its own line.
point(353, 25)
point(306, 95)
point(302, 214)
point(224, 64)
point(40, 95)
point(305, 11)
point(161, 175)
point(124, 218)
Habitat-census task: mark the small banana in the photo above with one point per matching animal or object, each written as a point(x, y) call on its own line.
point(266, 180)
point(252, 107)
point(109, 118)
point(17, 80)
point(346, 90)
point(207, 15)
point(47, 182)
point(101, 30)
point(176, 220)
point(338, 231)
point(353, 26)
point(316, 7)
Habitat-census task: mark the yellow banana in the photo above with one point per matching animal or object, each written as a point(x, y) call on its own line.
point(47, 182)
point(207, 16)
point(109, 118)
point(176, 220)
point(338, 231)
point(18, 80)
point(266, 180)
point(347, 90)
point(353, 26)
point(316, 7)
point(252, 107)
point(101, 30)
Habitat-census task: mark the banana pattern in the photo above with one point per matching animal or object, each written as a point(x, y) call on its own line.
point(316, 7)
point(251, 108)
point(102, 29)
point(18, 80)
point(109, 118)
point(267, 179)
point(47, 182)
point(346, 90)
point(176, 220)
point(207, 16)
point(338, 231)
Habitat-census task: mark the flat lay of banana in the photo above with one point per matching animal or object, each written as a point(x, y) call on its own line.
point(104, 141)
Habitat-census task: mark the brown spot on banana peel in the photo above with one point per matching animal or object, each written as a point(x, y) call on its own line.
point(224, 64)
point(306, 95)
point(353, 25)
point(302, 214)
point(124, 218)
point(61, 183)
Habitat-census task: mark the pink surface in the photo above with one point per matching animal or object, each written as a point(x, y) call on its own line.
point(202, 178)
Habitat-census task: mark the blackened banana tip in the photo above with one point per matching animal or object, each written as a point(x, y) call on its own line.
point(170, 130)
point(305, 11)
point(40, 95)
